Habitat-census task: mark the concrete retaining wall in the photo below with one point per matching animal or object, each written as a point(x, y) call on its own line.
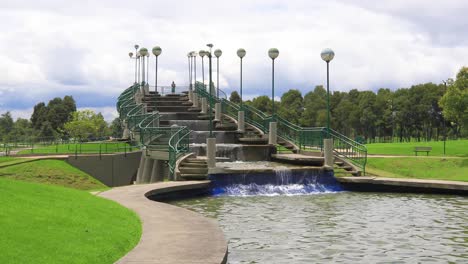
point(112, 170)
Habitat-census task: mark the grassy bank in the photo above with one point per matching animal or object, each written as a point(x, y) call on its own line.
point(50, 224)
point(452, 169)
point(54, 172)
point(453, 148)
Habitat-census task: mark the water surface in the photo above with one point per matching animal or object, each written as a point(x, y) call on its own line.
point(341, 227)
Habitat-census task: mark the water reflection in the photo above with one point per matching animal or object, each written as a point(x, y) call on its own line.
point(341, 227)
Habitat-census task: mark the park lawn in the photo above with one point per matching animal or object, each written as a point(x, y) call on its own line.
point(51, 224)
point(55, 172)
point(451, 169)
point(70, 148)
point(7, 160)
point(453, 148)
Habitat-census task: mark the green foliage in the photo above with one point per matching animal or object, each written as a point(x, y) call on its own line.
point(455, 102)
point(116, 129)
point(50, 224)
point(262, 103)
point(291, 106)
point(235, 97)
point(86, 124)
point(49, 119)
point(452, 148)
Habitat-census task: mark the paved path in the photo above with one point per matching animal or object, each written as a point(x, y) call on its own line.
point(170, 234)
point(405, 182)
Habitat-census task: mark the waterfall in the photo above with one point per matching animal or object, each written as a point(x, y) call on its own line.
point(282, 181)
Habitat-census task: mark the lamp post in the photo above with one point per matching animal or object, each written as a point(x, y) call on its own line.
point(241, 53)
point(136, 52)
point(147, 69)
point(138, 66)
point(240, 115)
point(189, 60)
point(156, 51)
point(208, 53)
point(143, 53)
point(328, 55)
point(273, 53)
point(218, 54)
point(130, 54)
point(202, 54)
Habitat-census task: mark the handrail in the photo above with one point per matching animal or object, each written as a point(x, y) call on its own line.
point(302, 137)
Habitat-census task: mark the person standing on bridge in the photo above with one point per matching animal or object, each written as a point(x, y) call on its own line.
point(173, 87)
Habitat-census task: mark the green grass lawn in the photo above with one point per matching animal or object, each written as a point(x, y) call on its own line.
point(453, 148)
point(55, 172)
point(51, 224)
point(452, 169)
point(93, 147)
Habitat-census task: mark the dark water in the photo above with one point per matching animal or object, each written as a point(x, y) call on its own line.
point(341, 227)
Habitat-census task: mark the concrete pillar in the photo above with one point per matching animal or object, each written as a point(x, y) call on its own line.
point(156, 172)
point(240, 121)
point(126, 131)
point(328, 152)
point(146, 88)
point(190, 96)
point(217, 112)
point(204, 106)
point(140, 168)
point(146, 175)
point(195, 100)
point(211, 152)
point(272, 138)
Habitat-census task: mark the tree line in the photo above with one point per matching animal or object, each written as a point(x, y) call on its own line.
point(422, 112)
point(58, 119)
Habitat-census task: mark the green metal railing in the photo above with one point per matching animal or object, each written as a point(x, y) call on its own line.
point(307, 138)
point(179, 144)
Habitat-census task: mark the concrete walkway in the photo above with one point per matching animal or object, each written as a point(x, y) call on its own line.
point(170, 234)
point(405, 182)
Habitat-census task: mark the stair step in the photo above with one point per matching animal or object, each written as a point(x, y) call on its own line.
point(195, 160)
point(347, 168)
point(186, 170)
point(193, 165)
point(339, 163)
point(194, 176)
point(253, 140)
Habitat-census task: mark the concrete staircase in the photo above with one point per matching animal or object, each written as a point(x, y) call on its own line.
point(193, 169)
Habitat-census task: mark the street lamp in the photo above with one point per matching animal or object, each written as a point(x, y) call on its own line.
point(130, 54)
point(189, 60)
point(147, 69)
point(136, 53)
point(208, 53)
point(202, 54)
point(273, 54)
point(241, 53)
point(218, 54)
point(137, 61)
point(143, 53)
point(194, 56)
point(156, 51)
point(328, 55)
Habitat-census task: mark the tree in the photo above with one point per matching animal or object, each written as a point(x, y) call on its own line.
point(291, 106)
point(39, 115)
point(455, 102)
point(86, 124)
point(116, 128)
point(235, 97)
point(262, 103)
point(6, 125)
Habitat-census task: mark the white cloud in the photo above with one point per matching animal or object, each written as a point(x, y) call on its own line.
point(52, 48)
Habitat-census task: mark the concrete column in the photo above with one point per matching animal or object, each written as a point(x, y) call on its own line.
point(272, 138)
point(328, 152)
point(126, 131)
point(146, 88)
point(211, 152)
point(204, 106)
point(240, 121)
point(195, 100)
point(140, 168)
point(146, 175)
point(156, 172)
point(190, 96)
point(217, 112)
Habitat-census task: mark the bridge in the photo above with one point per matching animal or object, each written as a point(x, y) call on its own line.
point(183, 132)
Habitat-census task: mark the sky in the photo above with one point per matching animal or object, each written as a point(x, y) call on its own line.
point(52, 48)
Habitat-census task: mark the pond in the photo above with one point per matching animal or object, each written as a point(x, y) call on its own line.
point(344, 227)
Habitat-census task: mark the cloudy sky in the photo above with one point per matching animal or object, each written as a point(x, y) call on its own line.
point(55, 48)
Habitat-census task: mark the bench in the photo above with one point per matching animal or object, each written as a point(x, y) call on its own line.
point(422, 149)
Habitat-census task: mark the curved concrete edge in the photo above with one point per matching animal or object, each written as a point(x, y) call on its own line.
point(421, 184)
point(170, 234)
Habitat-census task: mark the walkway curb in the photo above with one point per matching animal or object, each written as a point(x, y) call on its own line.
point(170, 234)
